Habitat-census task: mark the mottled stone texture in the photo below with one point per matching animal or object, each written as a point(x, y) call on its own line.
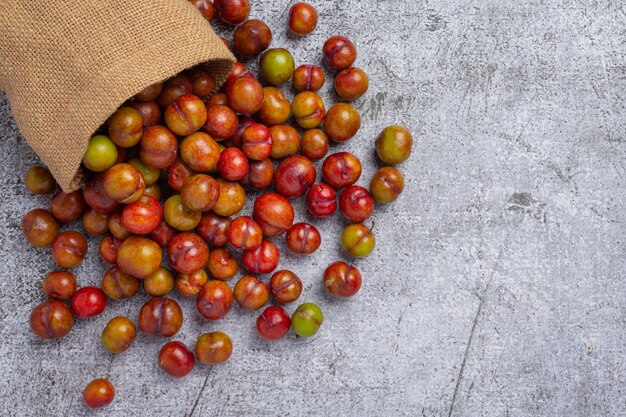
point(497, 287)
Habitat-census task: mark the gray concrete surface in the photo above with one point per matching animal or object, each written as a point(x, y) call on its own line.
point(497, 287)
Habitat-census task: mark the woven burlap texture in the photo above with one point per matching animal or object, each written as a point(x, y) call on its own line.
point(66, 65)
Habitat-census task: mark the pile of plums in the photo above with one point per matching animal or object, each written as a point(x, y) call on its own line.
point(168, 173)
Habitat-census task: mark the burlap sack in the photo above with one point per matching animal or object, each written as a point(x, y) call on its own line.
point(66, 65)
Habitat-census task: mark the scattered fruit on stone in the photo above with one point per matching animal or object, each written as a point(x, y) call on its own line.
point(142, 216)
point(177, 174)
point(232, 165)
point(96, 223)
point(231, 200)
point(150, 93)
point(178, 215)
point(96, 198)
point(163, 234)
point(108, 248)
point(185, 115)
point(218, 98)
point(150, 112)
point(158, 147)
point(202, 84)
point(169, 174)
point(238, 70)
point(115, 226)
